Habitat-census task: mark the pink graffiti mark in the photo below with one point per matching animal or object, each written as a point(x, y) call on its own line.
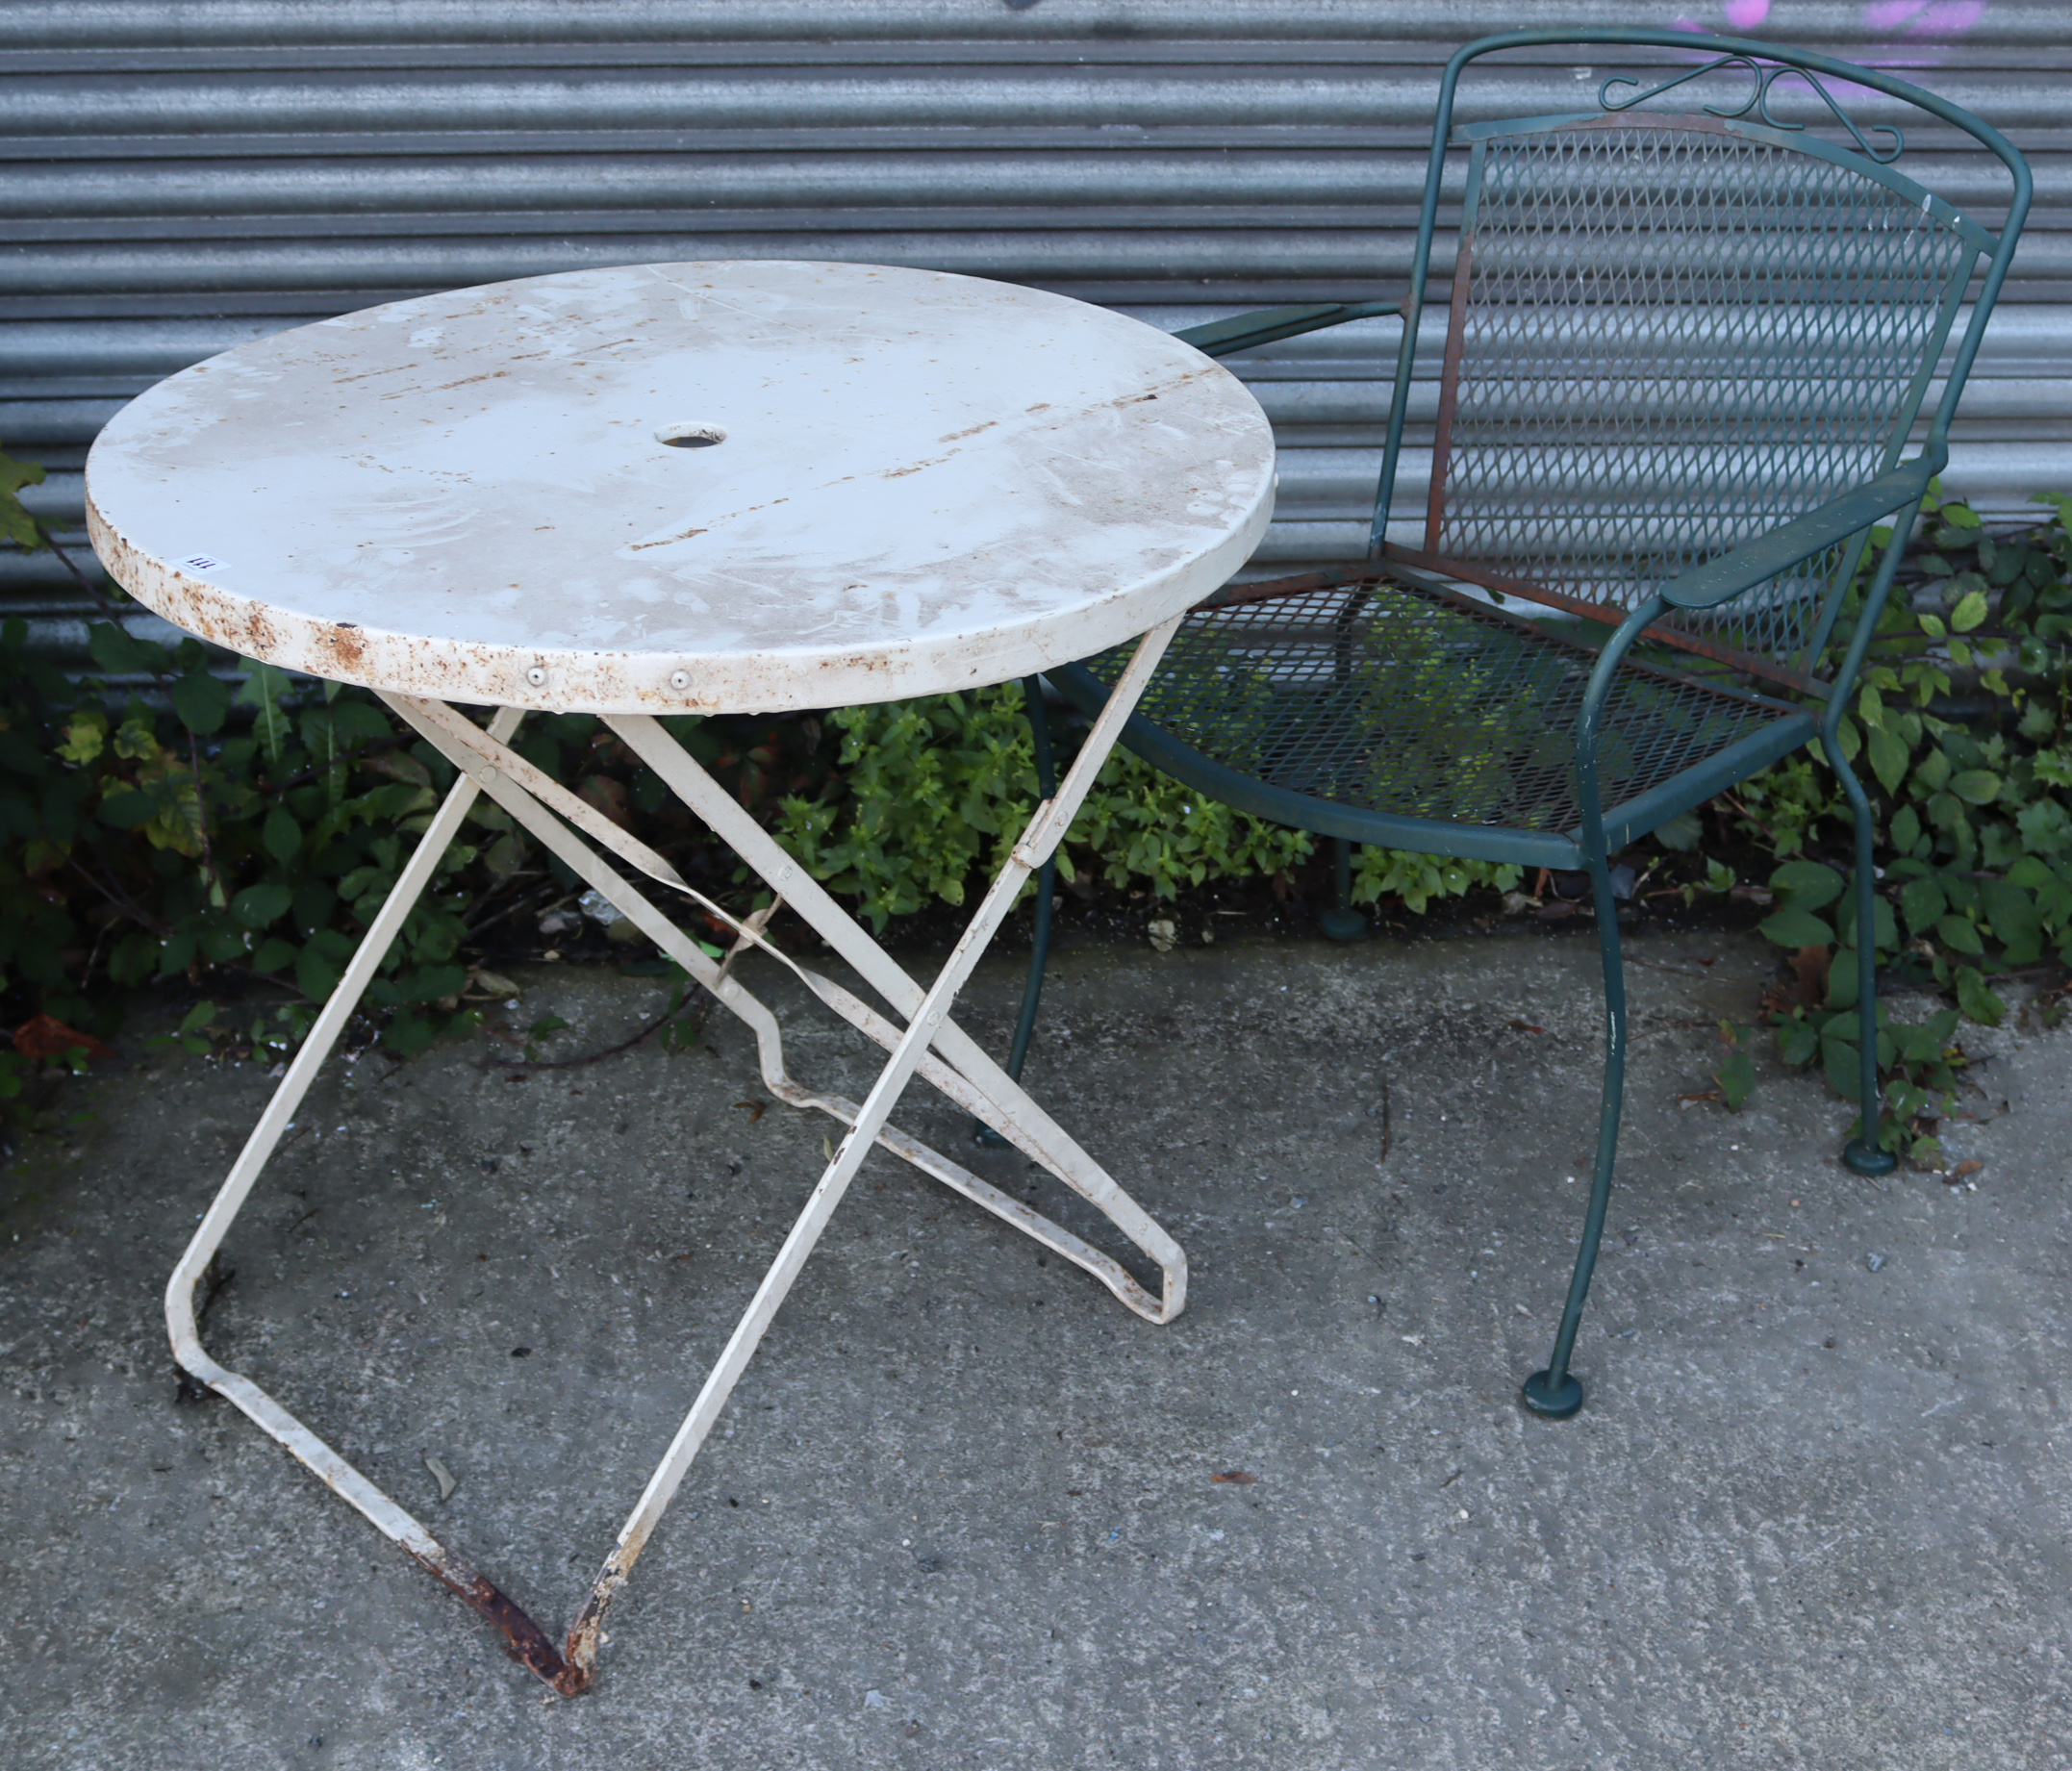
point(1919, 25)
point(1921, 18)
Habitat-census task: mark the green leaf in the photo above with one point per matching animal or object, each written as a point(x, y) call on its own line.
point(1796, 929)
point(354, 717)
point(1884, 929)
point(1976, 1001)
point(399, 766)
point(1737, 1077)
point(84, 740)
point(505, 856)
point(2054, 768)
point(258, 906)
point(2045, 828)
point(274, 954)
point(1808, 884)
point(1840, 1060)
point(314, 901)
point(120, 653)
point(202, 701)
point(16, 523)
point(1682, 833)
point(222, 944)
point(2016, 925)
point(136, 956)
point(361, 880)
point(282, 835)
point(321, 963)
point(176, 952)
point(541, 1030)
point(1922, 901)
point(262, 690)
point(126, 808)
point(407, 1035)
point(198, 1016)
point(1959, 934)
point(1889, 757)
point(1970, 611)
point(1977, 786)
point(2031, 874)
point(435, 981)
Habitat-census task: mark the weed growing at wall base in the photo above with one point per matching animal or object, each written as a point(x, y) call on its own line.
point(164, 819)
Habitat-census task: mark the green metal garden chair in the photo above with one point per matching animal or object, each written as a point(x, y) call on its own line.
point(1686, 349)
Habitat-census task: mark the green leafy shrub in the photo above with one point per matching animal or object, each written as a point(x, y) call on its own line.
point(148, 844)
point(929, 794)
point(1959, 733)
point(188, 828)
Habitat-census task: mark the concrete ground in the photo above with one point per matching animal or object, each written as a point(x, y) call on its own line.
point(961, 1510)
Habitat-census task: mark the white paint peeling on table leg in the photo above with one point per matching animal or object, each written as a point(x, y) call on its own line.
point(522, 1638)
point(444, 733)
point(494, 768)
point(1001, 1100)
point(930, 1015)
point(462, 742)
point(992, 1096)
point(1009, 1107)
point(487, 764)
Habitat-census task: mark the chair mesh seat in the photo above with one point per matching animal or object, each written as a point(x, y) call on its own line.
point(1394, 698)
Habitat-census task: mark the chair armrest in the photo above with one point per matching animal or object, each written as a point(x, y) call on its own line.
point(1220, 338)
point(1756, 562)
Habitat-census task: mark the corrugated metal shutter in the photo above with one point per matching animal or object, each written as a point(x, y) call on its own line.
point(185, 174)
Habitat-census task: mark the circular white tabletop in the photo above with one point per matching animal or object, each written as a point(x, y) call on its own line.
point(897, 483)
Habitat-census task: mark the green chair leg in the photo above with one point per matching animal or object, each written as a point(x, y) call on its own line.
point(1341, 921)
point(1046, 888)
point(1557, 1393)
point(1864, 1153)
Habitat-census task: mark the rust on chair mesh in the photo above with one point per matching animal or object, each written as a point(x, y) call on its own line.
point(1326, 578)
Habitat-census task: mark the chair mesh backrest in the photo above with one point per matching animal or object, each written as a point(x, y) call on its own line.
point(1670, 338)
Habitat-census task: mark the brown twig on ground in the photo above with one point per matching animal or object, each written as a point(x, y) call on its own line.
point(576, 1063)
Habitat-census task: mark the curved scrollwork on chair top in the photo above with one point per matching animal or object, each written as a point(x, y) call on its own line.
point(1758, 100)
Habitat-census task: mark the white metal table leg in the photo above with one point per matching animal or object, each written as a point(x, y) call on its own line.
point(977, 1083)
point(525, 1641)
point(549, 810)
point(1000, 1100)
point(1046, 830)
point(929, 1038)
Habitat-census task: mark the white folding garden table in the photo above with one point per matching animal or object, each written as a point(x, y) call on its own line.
point(691, 488)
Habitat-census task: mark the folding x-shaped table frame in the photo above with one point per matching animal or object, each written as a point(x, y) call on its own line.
point(928, 1042)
